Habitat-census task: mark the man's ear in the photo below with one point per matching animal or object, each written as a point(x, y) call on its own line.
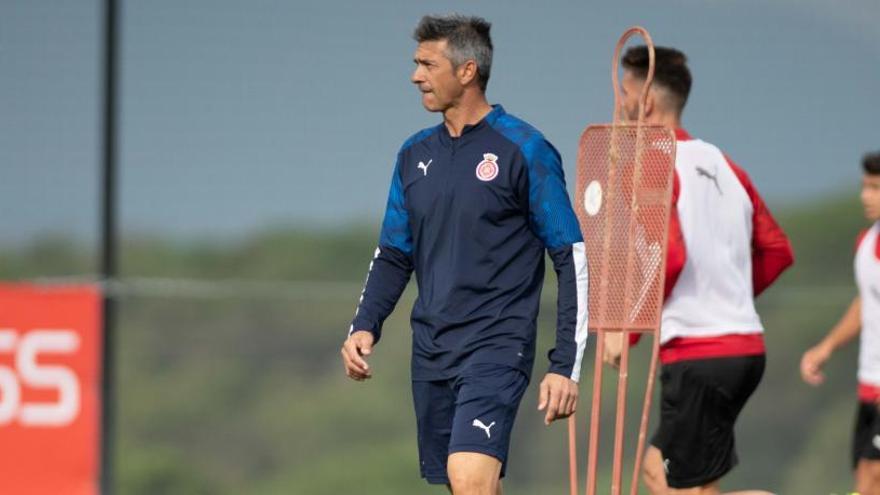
point(466, 72)
point(650, 102)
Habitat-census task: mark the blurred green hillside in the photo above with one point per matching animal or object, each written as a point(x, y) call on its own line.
point(233, 385)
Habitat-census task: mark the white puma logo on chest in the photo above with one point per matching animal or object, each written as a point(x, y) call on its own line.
point(424, 166)
point(479, 424)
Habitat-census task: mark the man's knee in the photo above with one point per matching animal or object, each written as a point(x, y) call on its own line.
point(469, 482)
point(473, 474)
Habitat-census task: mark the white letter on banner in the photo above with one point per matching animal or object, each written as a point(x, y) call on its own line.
point(35, 375)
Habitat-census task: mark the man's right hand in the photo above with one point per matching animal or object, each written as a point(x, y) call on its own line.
point(356, 347)
point(812, 362)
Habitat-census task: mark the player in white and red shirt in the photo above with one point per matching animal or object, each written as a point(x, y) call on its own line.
point(861, 319)
point(725, 248)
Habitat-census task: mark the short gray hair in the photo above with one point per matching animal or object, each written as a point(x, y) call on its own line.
point(467, 38)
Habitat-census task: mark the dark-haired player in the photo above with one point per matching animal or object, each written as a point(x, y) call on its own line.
point(725, 248)
point(862, 319)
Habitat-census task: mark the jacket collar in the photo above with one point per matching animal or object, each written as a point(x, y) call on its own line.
point(469, 130)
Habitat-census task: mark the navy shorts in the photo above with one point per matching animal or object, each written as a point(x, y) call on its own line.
point(473, 412)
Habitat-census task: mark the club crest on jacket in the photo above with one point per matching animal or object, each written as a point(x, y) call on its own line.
point(488, 168)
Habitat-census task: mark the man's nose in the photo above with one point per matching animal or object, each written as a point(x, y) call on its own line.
point(416, 76)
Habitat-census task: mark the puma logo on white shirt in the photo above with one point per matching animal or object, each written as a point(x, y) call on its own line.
point(702, 172)
point(479, 424)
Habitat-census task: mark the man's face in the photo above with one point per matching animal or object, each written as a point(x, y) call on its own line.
point(435, 76)
point(871, 196)
point(631, 89)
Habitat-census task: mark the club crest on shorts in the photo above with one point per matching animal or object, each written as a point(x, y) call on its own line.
point(488, 168)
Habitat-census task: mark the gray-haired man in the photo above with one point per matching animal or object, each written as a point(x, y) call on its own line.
point(474, 204)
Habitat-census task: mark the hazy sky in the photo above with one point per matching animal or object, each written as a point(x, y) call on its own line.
point(242, 114)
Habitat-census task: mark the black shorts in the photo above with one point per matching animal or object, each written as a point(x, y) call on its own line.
point(866, 436)
point(471, 413)
point(700, 401)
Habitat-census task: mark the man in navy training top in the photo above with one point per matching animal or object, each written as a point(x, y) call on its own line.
point(474, 203)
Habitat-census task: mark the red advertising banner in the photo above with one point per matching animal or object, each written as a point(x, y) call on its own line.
point(50, 389)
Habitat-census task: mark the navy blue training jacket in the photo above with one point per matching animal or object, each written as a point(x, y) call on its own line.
point(472, 217)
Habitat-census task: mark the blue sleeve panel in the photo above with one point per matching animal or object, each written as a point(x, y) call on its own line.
point(550, 213)
point(395, 226)
point(554, 222)
point(392, 263)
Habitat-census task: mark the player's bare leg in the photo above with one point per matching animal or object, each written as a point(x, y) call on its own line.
point(497, 492)
point(868, 477)
point(653, 472)
point(749, 492)
point(655, 480)
point(471, 473)
point(710, 489)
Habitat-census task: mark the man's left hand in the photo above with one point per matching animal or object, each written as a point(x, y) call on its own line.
point(558, 395)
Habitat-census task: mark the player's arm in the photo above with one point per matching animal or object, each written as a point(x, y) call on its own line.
point(676, 256)
point(553, 221)
point(771, 249)
point(846, 330)
point(389, 273)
